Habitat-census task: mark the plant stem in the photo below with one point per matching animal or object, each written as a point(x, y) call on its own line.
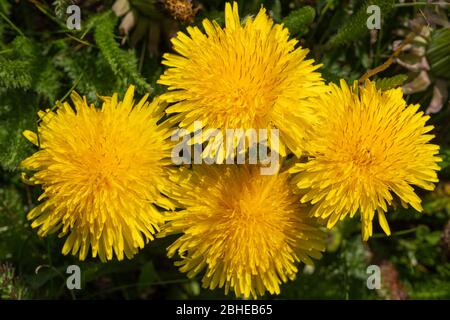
point(11, 24)
point(412, 4)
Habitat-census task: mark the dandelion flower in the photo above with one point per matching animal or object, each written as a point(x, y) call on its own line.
point(367, 147)
point(246, 230)
point(101, 172)
point(241, 77)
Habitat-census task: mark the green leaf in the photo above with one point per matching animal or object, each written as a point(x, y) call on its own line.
point(390, 83)
point(14, 73)
point(445, 155)
point(5, 6)
point(15, 117)
point(122, 63)
point(148, 275)
point(299, 20)
point(28, 68)
point(439, 53)
point(356, 26)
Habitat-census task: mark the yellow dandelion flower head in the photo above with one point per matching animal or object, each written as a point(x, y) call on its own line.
point(101, 171)
point(368, 146)
point(247, 230)
point(241, 76)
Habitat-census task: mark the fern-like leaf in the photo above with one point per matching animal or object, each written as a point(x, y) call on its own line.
point(356, 26)
point(122, 63)
point(14, 74)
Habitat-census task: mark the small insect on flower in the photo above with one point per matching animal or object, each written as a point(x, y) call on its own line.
point(367, 146)
point(241, 77)
point(245, 230)
point(102, 172)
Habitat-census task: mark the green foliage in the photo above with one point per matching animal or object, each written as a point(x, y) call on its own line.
point(14, 73)
point(13, 146)
point(355, 27)
point(298, 21)
point(343, 268)
point(433, 288)
point(445, 155)
point(61, 7)
point(26, 75)
point(5, 6)
point(4, 11)
point(41, 62)
point(92, 76)
point(391, 82)
point(10, 286)
point(439, 53)
point(29, 69)
point(122, 63)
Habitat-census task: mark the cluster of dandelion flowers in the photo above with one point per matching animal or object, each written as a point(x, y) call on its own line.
point(368, 146)
point(245, 230)
point(101, 171)
point(241, 76)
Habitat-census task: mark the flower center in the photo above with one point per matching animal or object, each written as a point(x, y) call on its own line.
point(103, 163)
point(363, 157)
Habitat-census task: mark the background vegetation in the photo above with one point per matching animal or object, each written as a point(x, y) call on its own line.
point(41, 61)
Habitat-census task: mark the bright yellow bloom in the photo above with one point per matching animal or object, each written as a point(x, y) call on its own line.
point(241, 77)
point(101, 171)
point(247, 230)
point(366, 147)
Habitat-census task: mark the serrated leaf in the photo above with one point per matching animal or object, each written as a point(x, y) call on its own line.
point(390, 83)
